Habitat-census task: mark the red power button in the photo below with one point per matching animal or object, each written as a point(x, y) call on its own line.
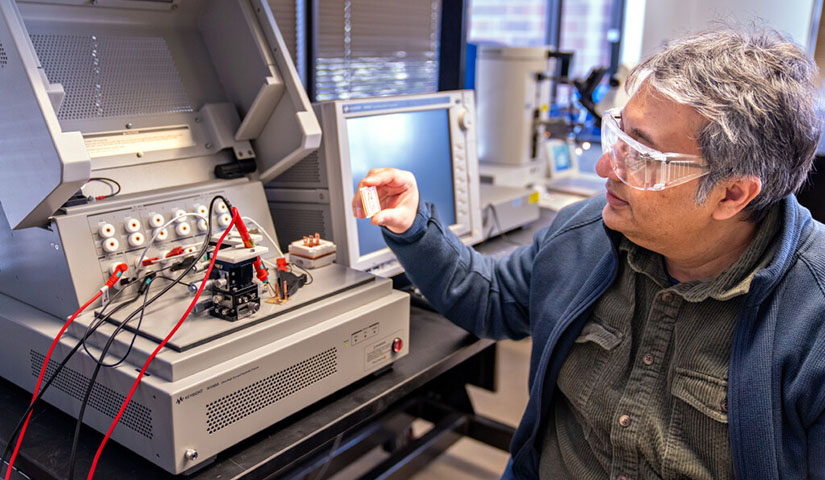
point(397, 345)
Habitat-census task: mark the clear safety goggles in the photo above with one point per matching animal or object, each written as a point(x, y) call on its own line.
point(642, 167)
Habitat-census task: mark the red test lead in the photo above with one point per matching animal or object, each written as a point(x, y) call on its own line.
point(102, 292)
point(261, 272)
point(157, 349)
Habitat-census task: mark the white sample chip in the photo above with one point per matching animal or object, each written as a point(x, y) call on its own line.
point(369, 199)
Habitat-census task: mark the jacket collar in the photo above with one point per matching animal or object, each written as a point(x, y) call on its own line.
point(795, 227)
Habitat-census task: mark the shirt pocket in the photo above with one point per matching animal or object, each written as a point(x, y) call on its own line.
point(707, 394)
point(586, 362)
point(698, 445)
point(601, 334)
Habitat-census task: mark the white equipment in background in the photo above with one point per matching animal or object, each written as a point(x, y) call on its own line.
point(507, 208)
point(513, 92)
point(512, 99)
point(519, 145)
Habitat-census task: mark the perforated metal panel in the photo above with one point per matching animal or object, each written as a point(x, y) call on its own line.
point(294, 221)
point(4, 59)
point(307, 171)
point(244, 402)
point(107, 76)
point(103, 399)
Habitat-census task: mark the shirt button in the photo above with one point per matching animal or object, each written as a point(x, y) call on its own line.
point(647, 359)
point(624, 421)
point(621, 477)
point(667, 297)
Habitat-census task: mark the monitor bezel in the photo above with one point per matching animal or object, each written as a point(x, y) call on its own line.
point(467, 226)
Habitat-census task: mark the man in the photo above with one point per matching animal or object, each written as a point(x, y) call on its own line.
point(678, 322)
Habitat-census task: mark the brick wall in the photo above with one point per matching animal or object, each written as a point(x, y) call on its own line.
point(584, 30)
point(524, 22)
point(510, 22)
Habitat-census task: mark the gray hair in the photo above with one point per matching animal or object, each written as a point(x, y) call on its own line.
point(758, 94)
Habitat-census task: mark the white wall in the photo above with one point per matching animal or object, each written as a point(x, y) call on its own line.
point(663, 20)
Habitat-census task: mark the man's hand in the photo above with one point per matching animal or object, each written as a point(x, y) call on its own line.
point(398, 195)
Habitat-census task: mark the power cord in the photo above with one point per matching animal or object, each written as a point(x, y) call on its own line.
point(113, 184)
point(497, 226)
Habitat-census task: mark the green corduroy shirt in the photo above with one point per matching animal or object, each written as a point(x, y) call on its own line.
point(644, 388)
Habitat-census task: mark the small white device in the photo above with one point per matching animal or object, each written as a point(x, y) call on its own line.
point(369, 199)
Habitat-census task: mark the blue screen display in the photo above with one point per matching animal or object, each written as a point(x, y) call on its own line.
point(561, 157)
point(415, 141)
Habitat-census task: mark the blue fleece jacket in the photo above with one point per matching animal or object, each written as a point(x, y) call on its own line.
point(776, 385)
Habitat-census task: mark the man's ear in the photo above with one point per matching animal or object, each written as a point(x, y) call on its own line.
point(735, 195)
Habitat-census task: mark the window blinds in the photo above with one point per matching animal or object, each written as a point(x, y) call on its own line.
point(286, 16)
point(376, 47)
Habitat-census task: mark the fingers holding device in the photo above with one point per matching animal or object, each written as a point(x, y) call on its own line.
point(397, 198)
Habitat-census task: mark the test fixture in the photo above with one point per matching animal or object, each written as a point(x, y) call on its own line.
point(189, 107)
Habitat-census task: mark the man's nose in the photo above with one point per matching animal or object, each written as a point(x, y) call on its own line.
point(604, 168)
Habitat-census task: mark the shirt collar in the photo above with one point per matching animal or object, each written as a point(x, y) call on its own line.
point(734, 281)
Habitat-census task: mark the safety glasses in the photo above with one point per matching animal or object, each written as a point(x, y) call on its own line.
point(642, 167)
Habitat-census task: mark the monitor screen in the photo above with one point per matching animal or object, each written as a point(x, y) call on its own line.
point(417, 141)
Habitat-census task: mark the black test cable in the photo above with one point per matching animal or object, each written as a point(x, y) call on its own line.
point(146, 281)
point(71, 353)
point(77, 346)
point(105, 180)
point(110, 341)
point(63, 364)
point(59, 368)
point(185, 284)
point(92, 327)
point(295, 265)
point(73, 457)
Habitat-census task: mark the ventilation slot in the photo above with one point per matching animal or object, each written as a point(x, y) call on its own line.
point(4, 59)
point(112, 76)
point(307, 171)
point(292, 222)
point(103, 399)
point(244, 402)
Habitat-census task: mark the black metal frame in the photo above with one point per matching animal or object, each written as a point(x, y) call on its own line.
point(452, 49)
point(616, 23)
point(311, 10)
point(554, 11)
point(444, 402)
